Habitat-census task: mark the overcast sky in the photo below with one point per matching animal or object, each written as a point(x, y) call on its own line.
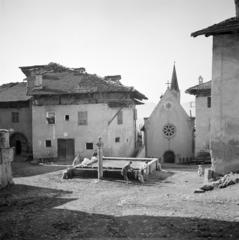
point(138, 39)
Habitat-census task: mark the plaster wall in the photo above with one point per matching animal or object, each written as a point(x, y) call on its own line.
point(225, 99)
point(202, 134)
point(98, 117)
point(23, 126)
point(156, 142)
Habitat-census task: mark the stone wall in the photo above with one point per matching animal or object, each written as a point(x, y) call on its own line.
point(202, 134)
point(225, 102)
point(97, 126)
point(6, 157)
point(24, 126)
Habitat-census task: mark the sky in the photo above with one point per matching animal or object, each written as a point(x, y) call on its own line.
point(137, 39)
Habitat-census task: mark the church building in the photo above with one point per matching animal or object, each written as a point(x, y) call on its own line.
point(168, 132)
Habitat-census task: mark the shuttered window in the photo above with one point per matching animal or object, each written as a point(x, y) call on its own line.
point(82, 118)
point(120, 117)
point(50, 117)
point(15, 117)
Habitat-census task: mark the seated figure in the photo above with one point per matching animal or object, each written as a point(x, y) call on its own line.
point(87, 162)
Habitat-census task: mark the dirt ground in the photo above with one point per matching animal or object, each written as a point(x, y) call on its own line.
point(41, 205)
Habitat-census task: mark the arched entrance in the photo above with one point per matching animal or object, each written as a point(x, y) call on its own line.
point(169, 157)
point(19, 141)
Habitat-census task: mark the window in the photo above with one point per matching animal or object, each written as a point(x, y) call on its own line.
point(67, 117)
point(117, 139)
point(89, 146)
point(48, 143)
point(38, 81)
point(208, 102)
point(120, 117)
point(82, 118)
point(15, 117)
point(169, 130)
point(50, 117)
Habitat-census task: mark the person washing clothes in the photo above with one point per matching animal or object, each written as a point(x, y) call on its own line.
point(124, 172)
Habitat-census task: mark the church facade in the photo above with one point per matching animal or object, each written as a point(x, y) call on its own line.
point(168, 132)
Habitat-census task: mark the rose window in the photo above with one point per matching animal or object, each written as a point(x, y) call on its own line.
point(169, 130)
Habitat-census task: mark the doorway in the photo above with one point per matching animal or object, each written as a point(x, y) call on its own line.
point(66, 149)
point(169, 157)
point(18, 147)
point(19, 141)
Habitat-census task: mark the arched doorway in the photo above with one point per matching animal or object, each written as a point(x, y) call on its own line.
point(19, 141)
point(169, 157)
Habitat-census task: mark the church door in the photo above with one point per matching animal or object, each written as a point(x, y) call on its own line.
point(169, 157)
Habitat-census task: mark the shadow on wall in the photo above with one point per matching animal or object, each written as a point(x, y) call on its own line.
point(37, 218)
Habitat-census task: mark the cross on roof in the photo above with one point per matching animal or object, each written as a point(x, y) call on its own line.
point(168, 83)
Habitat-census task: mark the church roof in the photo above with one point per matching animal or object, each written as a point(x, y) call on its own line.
point(227, 26)
point(200, 88)
point(174, 81)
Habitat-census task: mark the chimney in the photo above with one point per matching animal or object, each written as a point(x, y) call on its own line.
point(200, 79)
point(114, 78)
point(237, 8)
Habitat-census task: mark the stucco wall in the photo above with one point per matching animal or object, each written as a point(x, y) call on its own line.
point(23, 126)
point(98, 117)
point(156, 143)
point(225, 99)
point(202, 134)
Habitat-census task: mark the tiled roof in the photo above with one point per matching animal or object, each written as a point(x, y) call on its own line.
point(203, 87)
point(13, 92)
point(73, 81)
point(230, 25)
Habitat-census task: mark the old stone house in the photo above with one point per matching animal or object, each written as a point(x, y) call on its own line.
point(168, 132)
point(202, 93)
point(224, 131)
point(69, 109)
point(15, 113)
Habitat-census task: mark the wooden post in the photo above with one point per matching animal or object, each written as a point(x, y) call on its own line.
point(100, 158)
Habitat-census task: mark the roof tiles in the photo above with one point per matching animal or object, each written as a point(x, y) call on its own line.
point(13, 92)
point(227, 26)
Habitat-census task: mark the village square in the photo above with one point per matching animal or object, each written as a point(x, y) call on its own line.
point(80, 160)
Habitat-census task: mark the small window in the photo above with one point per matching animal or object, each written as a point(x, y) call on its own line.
point(67, 117)
point(50, 117)
point(82, 118)
point(89, 146)
point(38, 81)
point(120, 117)
point(48, 143)
point(208, 102)
point(15, 117)
point(117, 139)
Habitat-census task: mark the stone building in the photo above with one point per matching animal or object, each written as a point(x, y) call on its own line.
point(168, 132)
point(202, 93)
point(15, 113)
point(225, 87)
point(70, 109)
